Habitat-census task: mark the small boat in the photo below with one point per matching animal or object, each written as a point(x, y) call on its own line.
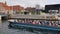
point(35, 24)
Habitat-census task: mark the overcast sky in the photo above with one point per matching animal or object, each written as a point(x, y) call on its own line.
point(27, 3)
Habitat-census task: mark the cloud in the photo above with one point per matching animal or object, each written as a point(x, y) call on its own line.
point(31, 2)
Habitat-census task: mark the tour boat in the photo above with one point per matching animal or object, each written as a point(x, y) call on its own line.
point(35, 24)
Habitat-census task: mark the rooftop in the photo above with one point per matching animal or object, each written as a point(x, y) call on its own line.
point(6, 7)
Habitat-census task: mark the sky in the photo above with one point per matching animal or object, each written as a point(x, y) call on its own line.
point(30, 3)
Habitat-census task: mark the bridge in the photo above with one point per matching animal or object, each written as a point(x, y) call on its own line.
point(3, 16)
point(33, 16)
point(26, 16)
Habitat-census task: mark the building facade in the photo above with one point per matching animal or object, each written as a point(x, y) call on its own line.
point(17, 9)
point(54, 8)
point(3, 8)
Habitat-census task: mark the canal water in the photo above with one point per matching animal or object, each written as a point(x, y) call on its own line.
point(5, 30)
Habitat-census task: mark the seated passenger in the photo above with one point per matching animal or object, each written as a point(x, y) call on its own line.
point(39, 23)
point(22, 21)
point(47, 23)
point(33, 22)
point(55, 23)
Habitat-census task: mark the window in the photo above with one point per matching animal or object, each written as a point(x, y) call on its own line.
point(53, 11)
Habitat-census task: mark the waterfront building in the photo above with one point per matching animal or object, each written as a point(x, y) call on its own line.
point(17, 9)
point(52, 9)
point(33, 10)
point(30, 10)
point(39, 9)
point(4, 8)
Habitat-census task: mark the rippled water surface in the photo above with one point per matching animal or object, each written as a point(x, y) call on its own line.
point(5, 30)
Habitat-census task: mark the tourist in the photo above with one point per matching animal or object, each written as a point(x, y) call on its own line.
point(33, 22)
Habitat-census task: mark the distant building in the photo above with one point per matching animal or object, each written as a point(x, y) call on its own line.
point(30, 10)
point(54, 8)
point(37, 6)
point(16, 9)
point(33, 10)
point(39, 9)
point(5, 9)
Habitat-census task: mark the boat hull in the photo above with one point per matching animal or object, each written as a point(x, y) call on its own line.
point(32, 26)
